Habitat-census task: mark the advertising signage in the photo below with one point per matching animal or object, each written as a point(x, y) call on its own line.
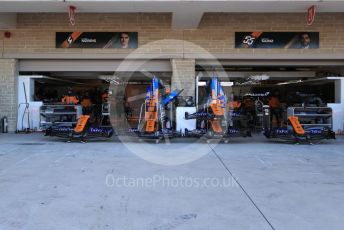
point(103, 40)
point(281, 40)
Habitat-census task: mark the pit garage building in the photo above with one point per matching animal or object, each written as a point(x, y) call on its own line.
point(253, 45)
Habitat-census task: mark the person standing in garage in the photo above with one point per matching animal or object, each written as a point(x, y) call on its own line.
point(275, 108)
point(248, 108)
point(105, 96)
point(86, 104)
point(70, 97)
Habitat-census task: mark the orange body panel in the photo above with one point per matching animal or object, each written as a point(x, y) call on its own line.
point(296, 125)
point(216, 126)
point(217, 108)
point(80, 126)
point(150, 125)
point(151, 115)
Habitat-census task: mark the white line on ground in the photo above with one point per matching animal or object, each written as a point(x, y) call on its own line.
point(18, 163)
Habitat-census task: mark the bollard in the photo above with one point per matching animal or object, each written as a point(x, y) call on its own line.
point(4, 124)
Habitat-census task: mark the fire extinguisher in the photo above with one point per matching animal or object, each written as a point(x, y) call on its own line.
point(4, 124)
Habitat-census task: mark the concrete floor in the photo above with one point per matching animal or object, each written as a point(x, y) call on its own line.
point(47, 184)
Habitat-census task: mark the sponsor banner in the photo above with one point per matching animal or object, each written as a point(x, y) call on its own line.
point(121, 40)
point(284, 40)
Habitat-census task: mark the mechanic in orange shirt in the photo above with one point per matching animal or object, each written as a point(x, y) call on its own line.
point(70, 97)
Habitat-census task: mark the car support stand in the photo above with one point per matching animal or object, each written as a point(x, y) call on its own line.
point(212, 119)
point(294, 131)
point(153, 126)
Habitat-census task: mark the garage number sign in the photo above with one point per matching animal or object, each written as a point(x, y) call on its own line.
point(103, 40)
point(281, 40)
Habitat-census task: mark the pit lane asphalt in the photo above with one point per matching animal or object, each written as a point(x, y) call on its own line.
point(48, 184)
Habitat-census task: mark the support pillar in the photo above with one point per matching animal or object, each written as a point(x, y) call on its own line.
point(183, 76)
point(8, 91)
